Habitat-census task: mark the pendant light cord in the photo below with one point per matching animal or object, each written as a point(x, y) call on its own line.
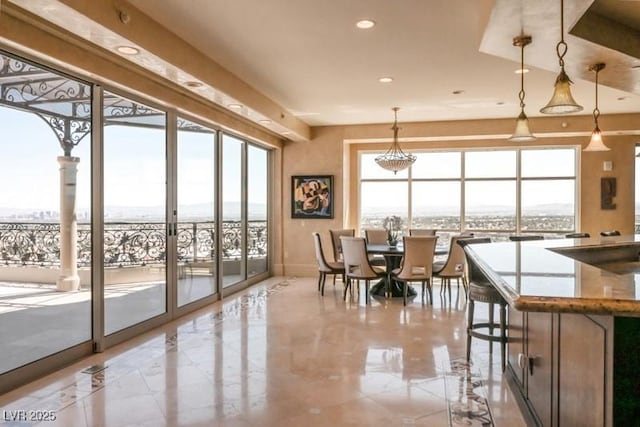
point(561, 47)
point(596, 111)
point(521, 93)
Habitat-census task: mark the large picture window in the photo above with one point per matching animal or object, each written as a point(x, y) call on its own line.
point(495, 192)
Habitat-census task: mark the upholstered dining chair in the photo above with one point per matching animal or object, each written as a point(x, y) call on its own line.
point(337, 246)
point(356, 264)
point(417, 264)
point(376, 237)
point(335, 241)
point(422, 232)
point(325, 267)
point(452, 268)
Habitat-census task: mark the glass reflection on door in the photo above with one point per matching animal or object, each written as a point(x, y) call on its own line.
point(257, 190)
point(233, 268)
point(196, 212)
point(135, 241)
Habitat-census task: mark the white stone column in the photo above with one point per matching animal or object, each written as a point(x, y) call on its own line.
point(68, 279)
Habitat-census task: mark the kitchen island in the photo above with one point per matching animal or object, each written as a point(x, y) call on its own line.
point(573, 326)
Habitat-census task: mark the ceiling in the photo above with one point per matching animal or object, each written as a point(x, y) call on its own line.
point(309, 57)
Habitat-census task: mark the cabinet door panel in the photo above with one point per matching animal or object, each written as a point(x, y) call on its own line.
point(539, 387)
point(516, 343)
point(582, 361)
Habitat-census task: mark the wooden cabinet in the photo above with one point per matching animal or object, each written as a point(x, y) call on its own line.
point(560, 367)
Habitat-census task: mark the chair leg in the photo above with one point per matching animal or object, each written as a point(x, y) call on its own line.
point(503, 334)
point(319, 281)
point(466, 286)
point(324, 279)
point(430, 288)
point(405, 285)
point(347, 285)
point(469, 327)
point(366, 292)
point(490, 327)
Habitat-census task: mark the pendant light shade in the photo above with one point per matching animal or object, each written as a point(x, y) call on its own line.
point(522, 132)
point(596, 143)
point(395, 159)
point(562, 101)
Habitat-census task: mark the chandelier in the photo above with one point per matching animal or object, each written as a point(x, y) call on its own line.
point(395, 159)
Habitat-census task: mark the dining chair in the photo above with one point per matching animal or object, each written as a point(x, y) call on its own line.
point(417, 264)
point(325, 267)
point(482, 290)
point(356, 264)
point(526, 237)
point(577, 235)
point(422, 232)
point(452, 268)
point(376, 237)
point(335, 241)
point(609, 233)
point(337, 246)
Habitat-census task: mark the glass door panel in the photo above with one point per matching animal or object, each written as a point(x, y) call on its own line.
point(196, 212)
point(233, 270)
point(45, 214)
point(257, 190)
point(134, 213)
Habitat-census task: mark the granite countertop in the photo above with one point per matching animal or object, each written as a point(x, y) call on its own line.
point(599, 275)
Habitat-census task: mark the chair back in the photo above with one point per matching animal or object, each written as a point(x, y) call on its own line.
point(376, 236)
point(356, 261)
point(417, 263)
point(609, 233)
point(422, 232)
point(335, 241)
point(577, 235)
point(323, 265)
point(454, 266)
point(523, 238)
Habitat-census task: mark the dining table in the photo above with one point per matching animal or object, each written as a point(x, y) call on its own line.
point(393, 258)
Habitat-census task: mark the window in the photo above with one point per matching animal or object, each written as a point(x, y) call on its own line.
point(502, 191)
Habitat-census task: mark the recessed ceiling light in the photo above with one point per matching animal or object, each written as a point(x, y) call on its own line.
point(522, 71)
point(365, 24)
point(385, 79)
point(500, 103)
point(457, 92)
point(235, 106)
point(264, 122)
point(622, 98)
point(128, 50)
point(193, 83)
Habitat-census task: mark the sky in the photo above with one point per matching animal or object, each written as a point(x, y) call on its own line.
point(134, 166)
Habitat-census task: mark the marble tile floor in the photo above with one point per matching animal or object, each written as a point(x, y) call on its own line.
point(279, 354)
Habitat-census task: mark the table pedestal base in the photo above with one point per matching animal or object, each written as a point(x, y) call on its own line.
point(380, 289)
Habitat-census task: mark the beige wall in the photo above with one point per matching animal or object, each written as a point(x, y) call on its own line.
point(333, 150)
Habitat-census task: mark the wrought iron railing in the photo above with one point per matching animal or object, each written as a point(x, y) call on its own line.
point(129, 244)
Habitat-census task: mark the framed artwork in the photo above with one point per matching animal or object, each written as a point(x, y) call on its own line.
point(312, 196)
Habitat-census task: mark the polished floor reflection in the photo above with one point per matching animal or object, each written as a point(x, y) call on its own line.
point(279, 354)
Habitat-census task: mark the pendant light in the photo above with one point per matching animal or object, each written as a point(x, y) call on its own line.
point(522, 132)
point(561, 102)
point(596, 143)
point(395, 159)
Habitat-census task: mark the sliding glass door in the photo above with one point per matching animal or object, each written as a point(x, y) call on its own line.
point(196, 213)
point(135, 194)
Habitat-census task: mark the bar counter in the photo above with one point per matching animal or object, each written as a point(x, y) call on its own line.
point(573, 327)
point(542, 275)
